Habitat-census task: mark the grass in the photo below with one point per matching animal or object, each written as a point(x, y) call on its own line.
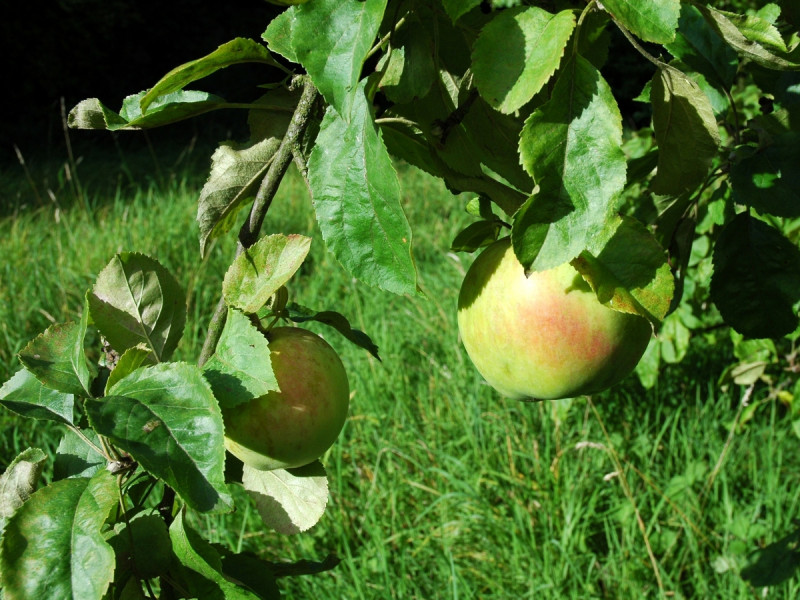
point(439, 487)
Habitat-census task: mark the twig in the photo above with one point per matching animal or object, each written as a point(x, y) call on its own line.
point(248, 234)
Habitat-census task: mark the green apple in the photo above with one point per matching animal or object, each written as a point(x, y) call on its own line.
point(545, 336)
point(296, 425)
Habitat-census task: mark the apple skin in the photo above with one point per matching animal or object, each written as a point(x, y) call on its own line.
point(545, 336)
point(295, 426)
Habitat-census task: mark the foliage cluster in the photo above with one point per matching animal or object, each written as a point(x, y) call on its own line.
point(691, 223)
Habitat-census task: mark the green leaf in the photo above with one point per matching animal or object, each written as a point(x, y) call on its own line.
point(200, 558)
point(137, 301)
point(331, 39)
point(774, 563)
point(142, 546)
point(476, 235)
point(700, 47)
point(129, 361)
point(356, 196)
point(57, 358)
point(76, 458)
point(167, 109)
point(757, 29)
point(240, 368)
point(517, 52)
point(747, 48)
point(279, 34)
point(238, 169)
point(651, 21)
point(237, 51)
point(756, 280)
point(301, 314)
point(289, 501)
point(686, 132)
point(53, 547)
point(409, 69)
point(637, 283)
point(26, 396)
point(247, 569)
point(166, 417)
point(455, 9)
point(571, 147)
point(769, 179)
point(18, 482)
point(259, 271)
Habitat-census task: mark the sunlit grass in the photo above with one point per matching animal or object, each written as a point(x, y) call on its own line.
point(439, 487)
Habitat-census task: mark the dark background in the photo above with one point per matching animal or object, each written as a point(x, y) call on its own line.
point(77, 49)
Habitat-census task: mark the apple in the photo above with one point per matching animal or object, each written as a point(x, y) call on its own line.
point(296, 425)
point(544, 336)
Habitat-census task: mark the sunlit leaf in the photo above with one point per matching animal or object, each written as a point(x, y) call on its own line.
point(571, 147)
point(653, 21)
point(289, 501)
point(26, 396)
point(167, 419)
point(57, 358)
point(53, 547)
point(258, 272)
point(638, 283)
point(331, 39)
point(19, 481)
point(517, 52)
point(240, 369)
point(137, 301)
point(356, 195)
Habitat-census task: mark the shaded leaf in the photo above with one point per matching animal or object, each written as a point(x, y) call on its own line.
point(166, 417)
point(238, 169)
point(76, 458)
point(686, 132)
point(700, 47)
point(651, 21)
point(137, 301)
point(301, 314)
point(409, 69)
point(571, 147)
point(756, 280)
point(517, 52)
point(198, 556)
point(26, 396)
point(239, 50)
point(258, 272)
point(769, 179)
point(53, 547)
point(457, 8)
point(142, 546)
point(356, 196)
point(637, 283)
point(774, 563)
point(748, 48)
point(19, 480)
point(129, 361)
point(240, 368)
point(247, 569)
point(289, 501)
point(476, 235)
